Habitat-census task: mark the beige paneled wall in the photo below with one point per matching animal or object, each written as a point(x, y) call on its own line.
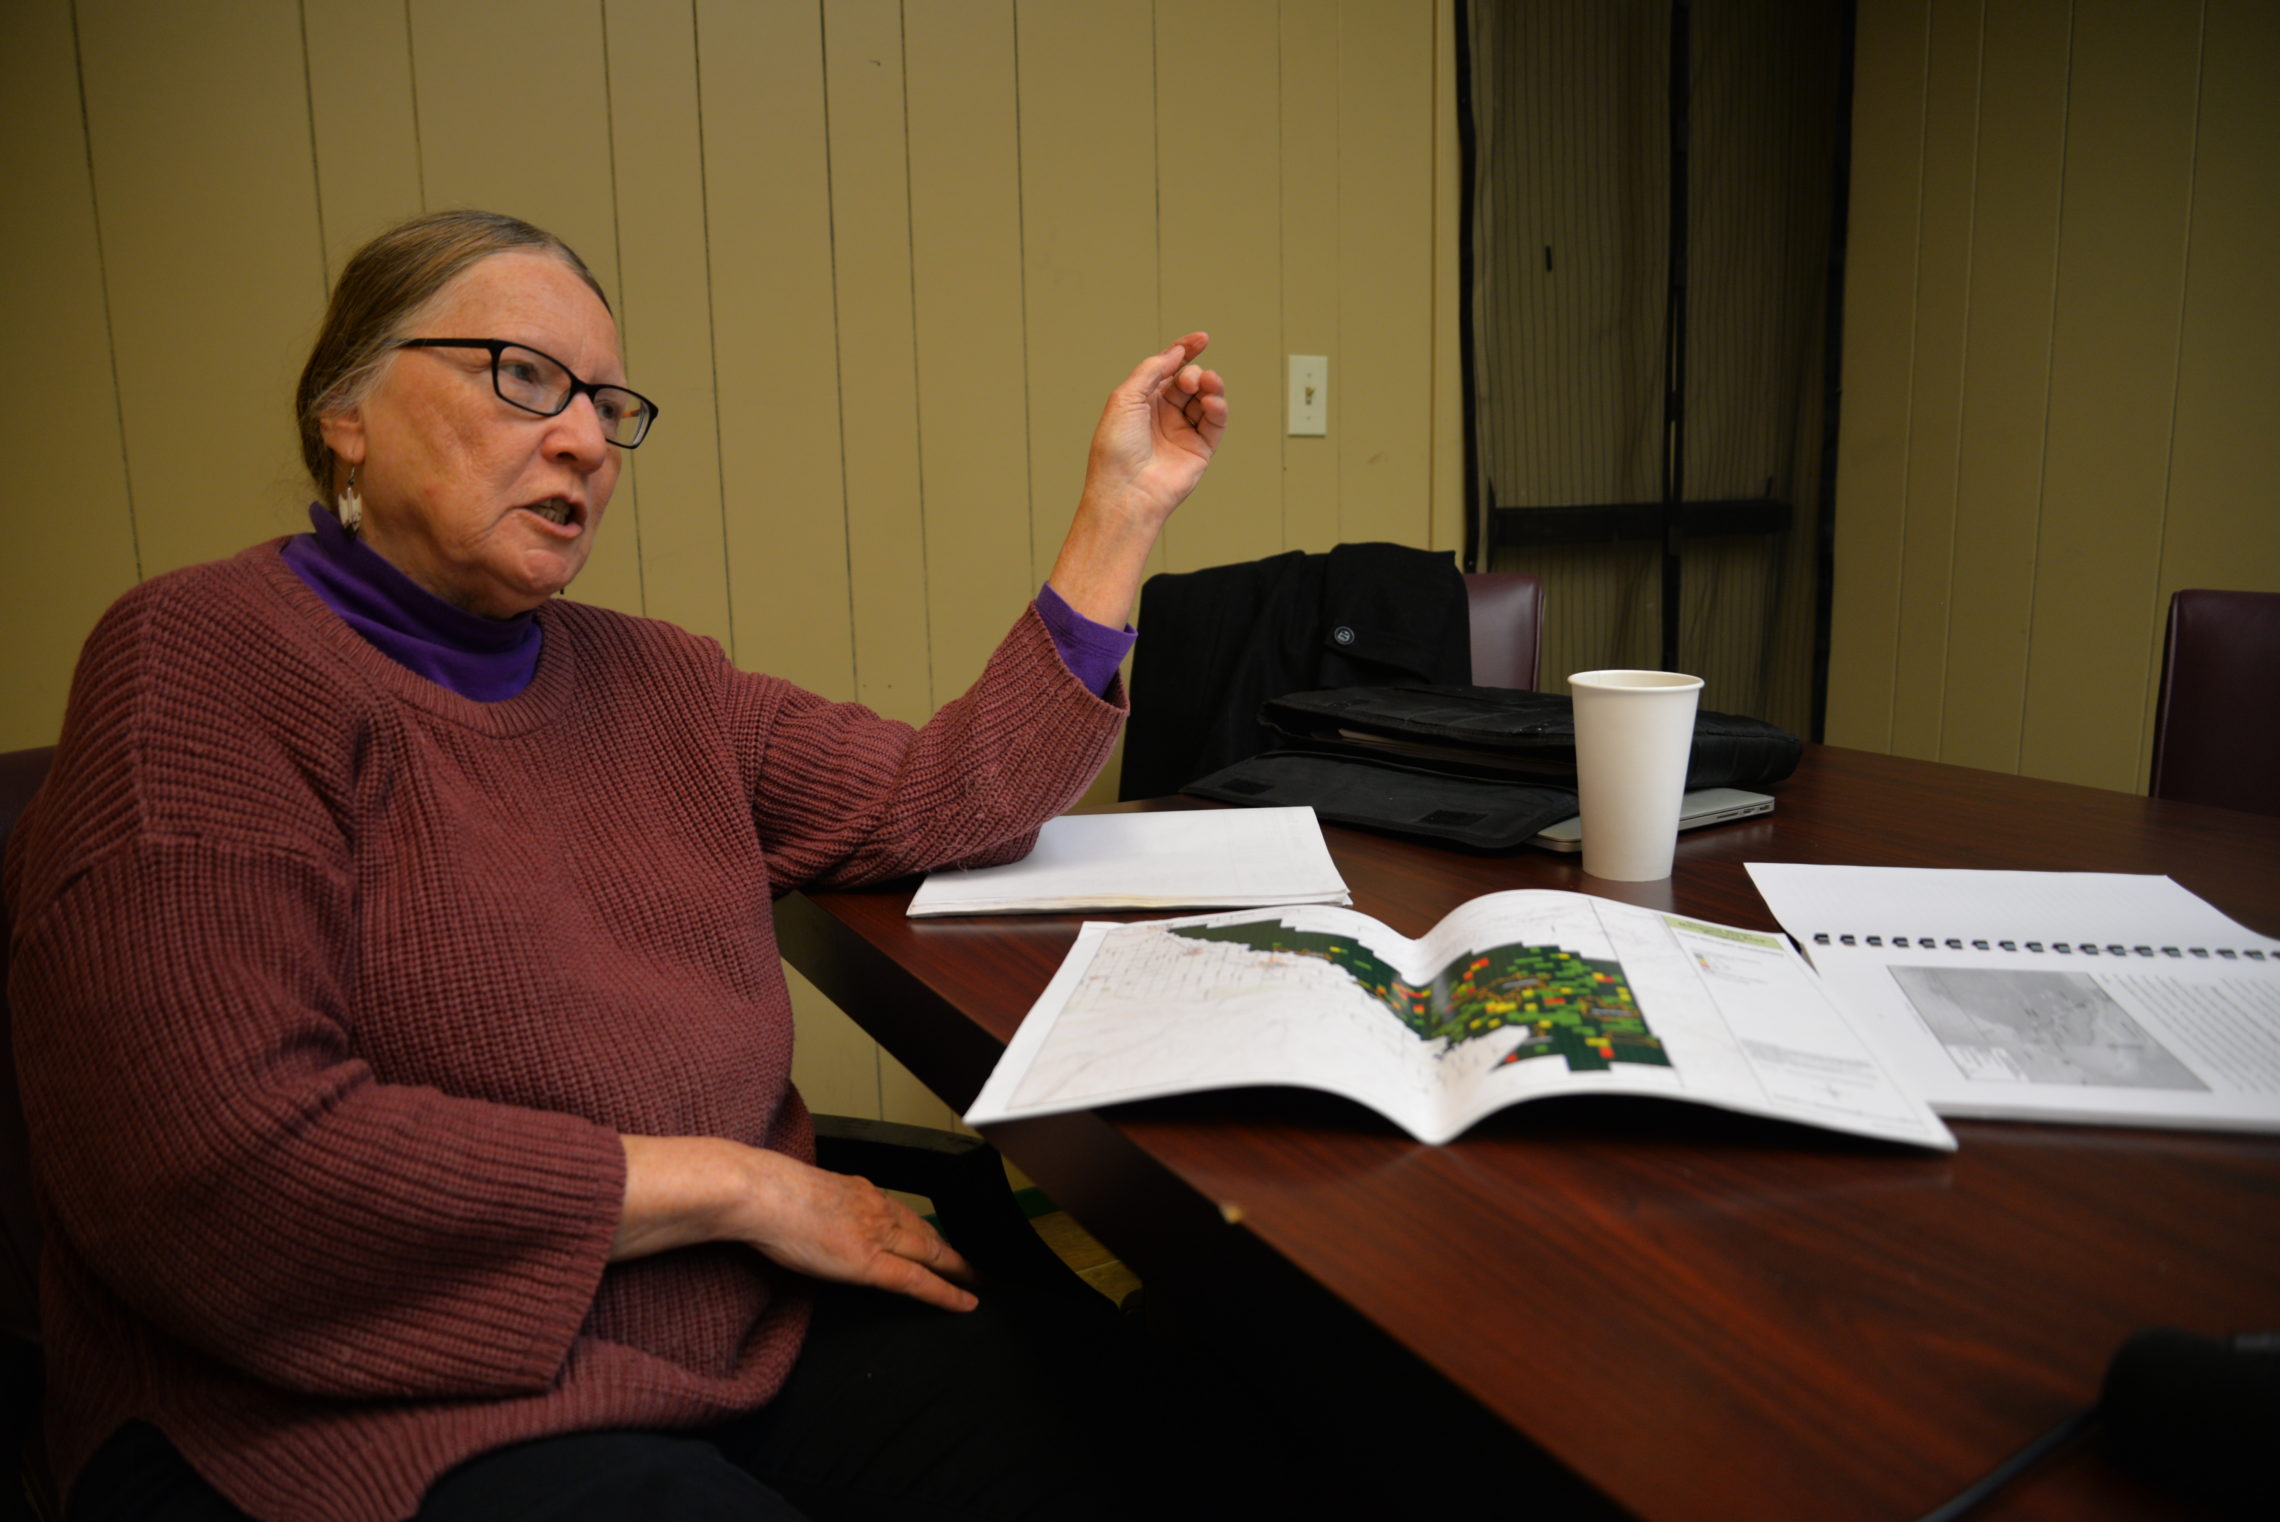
point(2062, 356)
point(878, 262)
point(70, 543)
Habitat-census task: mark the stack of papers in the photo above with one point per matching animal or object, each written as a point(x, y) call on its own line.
point(1197, 858)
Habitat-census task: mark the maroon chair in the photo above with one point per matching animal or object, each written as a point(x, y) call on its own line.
point(1507, 609)
point(21, 773)
point(2216, 732)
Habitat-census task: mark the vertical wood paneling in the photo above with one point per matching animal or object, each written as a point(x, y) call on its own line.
point(2006, 382)
point(2118, 371)
point(1880, 312)
point(835, 1065)
point(69, 526)
point(783, 493)
point(2114, 348)
point(1447, 408)
point(1935, 401)
point(367, 134)
point(1091, 244)
point(965, 210)
point(207, 201)
point(878, 364)
point(1310, 277)
point(514, 116)
point(1088, 233)
point(513, 103)
point(768, 201)
point(1385, 318)
point(1066, 206)
point(664, 303)
point(1218, 155)
point(2222, 528)
point(902, 1097)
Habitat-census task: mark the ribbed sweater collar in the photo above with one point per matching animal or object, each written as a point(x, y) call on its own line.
point(485, 659)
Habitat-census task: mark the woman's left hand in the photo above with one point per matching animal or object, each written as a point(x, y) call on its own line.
point(1155, 438)
point(680, 1190)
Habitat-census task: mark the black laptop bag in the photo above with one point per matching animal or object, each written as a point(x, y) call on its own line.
point(1480, 768)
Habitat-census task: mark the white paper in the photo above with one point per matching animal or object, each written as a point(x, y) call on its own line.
point(1731, 1018)
point(1183, 859)
point(2069, 996)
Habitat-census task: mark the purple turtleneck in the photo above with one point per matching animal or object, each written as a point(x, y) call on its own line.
point(488, 659)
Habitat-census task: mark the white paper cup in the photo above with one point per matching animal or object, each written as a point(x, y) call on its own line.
point(1634, 731)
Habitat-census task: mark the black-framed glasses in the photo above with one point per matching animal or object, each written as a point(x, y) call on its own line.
point(538, 382)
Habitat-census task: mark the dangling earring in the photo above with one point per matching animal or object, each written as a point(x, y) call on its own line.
point(351, 505)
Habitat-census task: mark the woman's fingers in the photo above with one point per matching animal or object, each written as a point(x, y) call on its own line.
point(925, 1271)
point(1199, 396)
point(925, 1246)
point(1150, 374)
point(916, 1261)
point(836, 1226)
point(921, 1268)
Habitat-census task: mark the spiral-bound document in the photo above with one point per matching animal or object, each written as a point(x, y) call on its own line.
point(2066, 996)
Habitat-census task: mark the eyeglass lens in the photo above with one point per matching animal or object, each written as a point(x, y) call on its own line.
point(534, 381)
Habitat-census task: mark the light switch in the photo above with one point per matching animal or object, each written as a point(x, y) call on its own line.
point(1309, 395)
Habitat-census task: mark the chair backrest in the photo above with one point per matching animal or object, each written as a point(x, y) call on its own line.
point(1507, 610)
point(21, 773)
point(2216, 732)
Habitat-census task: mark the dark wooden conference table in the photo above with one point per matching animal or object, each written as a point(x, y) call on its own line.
point(1695, 1314)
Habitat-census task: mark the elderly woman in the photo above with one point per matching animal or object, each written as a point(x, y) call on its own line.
point(402, 1033)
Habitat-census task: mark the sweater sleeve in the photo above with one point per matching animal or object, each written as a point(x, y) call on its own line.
point(221, 1161)
point(846, 797)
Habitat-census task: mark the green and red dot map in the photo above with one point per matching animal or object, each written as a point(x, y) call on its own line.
point(1560, 1004)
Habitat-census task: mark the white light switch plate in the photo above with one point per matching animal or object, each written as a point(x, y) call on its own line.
point(1309, 395)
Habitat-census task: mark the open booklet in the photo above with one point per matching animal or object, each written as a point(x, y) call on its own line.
point(1513, 996)
point(2069, 996)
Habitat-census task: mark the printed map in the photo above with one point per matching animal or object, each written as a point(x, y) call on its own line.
point(1560, 1003)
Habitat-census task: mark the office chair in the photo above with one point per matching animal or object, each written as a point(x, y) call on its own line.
point(1507, 609)
point(2216, 730)
point(1225, 639)
point(960, 1175)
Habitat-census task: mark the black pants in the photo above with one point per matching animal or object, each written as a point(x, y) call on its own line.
point(894, 1411)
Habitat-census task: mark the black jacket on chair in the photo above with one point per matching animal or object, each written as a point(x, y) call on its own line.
point(1217, 643)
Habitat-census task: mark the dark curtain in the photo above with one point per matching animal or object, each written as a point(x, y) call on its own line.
point(1569, 237)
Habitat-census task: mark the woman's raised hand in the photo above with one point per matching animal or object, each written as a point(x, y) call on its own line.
point(1155, 438)
point(1158, 431)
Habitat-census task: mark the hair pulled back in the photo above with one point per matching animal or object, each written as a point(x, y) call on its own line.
point(386, 285)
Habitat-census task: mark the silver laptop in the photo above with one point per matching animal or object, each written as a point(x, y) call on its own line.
point(1710, 805)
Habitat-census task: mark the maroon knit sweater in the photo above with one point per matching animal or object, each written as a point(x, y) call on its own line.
point(333, 989)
